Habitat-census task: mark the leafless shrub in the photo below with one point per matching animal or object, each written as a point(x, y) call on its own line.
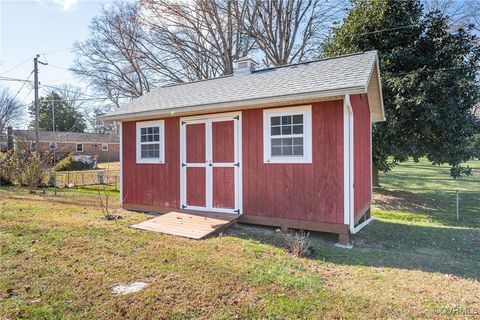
point(5, 170)
point(28, 168)
point(104, 203)
point(297, 243)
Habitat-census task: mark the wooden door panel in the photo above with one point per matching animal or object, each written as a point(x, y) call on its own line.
point(223, 144)
point(196, 186)
point(224, 187)
point(195, 143)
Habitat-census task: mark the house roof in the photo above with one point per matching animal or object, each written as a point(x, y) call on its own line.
point(331, 77)
point(50, 136)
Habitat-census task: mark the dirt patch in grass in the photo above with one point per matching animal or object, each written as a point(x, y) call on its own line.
point(403, 201)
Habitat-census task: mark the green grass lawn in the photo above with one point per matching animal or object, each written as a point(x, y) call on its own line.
point(428, 191)
point(60, 259)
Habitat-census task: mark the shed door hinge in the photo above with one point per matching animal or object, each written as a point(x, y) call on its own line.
point(184, 164)
point(183, 206)
point(183, 122)
point(236, 117)
point(237, 164)
point(237, 211)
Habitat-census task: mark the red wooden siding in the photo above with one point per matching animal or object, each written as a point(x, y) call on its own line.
point(196, 187)
point(296, 191)
point(223, 188)
point(362, 170)
point(293, 191)
point(223, 151)
point(156, 185)
point(222, 141)
point(195, 142)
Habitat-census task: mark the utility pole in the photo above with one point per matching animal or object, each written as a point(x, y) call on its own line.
point(53, 114)
point(35, 86)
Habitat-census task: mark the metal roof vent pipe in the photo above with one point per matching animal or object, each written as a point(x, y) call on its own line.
point(244, 65)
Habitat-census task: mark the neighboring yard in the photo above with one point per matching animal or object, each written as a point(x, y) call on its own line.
point(111, 171)
point(60, 259)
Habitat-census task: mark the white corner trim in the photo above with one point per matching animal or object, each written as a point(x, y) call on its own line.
point(348, 167)
point(146, 124)
point(348, 159)
point(121, 161)
point(306, 111)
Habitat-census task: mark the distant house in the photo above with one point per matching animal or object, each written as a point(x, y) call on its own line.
point(104, 146)
point(287, 146)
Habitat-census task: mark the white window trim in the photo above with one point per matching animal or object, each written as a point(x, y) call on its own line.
point(103, 145)
point(306, 111)
point(147, 124)
point(76, 147)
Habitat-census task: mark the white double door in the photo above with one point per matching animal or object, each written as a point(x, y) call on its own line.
point(210, 171)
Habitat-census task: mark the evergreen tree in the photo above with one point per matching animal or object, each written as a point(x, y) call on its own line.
point(428, 79)
point(67, 118)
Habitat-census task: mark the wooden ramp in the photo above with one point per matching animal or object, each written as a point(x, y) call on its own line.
point(189, 225)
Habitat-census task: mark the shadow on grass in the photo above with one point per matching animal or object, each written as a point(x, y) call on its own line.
point(435, 206)
point(390, 244)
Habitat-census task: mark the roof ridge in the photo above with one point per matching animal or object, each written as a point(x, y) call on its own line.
point(316, 60)
point(271, 68)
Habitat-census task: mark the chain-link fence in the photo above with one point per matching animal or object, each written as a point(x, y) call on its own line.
point(71, 179)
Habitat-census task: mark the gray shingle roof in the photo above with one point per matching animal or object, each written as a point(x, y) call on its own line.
point(338, 75)
point(50, 136)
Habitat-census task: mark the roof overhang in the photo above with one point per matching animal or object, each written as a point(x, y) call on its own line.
point(373, 89)
point(374, 92)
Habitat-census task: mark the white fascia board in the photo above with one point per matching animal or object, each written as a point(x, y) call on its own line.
point(238, 105)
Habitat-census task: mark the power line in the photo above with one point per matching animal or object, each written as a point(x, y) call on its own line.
point(16, 66)
point(58, 67)
point(13, 79)
point(23, 85)
point(67, 90)
point(434, 70)
point(57, 80)
point(56, 51)
point(79, 99)
point(27, 105)
point(384, 30)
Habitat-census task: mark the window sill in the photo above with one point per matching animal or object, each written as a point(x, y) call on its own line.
point(288, 161)
point(150, 161)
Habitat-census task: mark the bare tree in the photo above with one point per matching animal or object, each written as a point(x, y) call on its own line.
point(136, 46)
point(72, 95)
point(202, 38)
point(109, 59)
point(461, 13)
point(11, 110)
point(289, 31)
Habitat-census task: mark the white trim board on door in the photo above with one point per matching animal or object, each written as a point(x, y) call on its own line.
point(209, 165)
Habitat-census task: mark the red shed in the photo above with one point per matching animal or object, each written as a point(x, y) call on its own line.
point(287, 146)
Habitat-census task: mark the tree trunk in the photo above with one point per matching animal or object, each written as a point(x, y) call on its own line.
point(375, 180)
